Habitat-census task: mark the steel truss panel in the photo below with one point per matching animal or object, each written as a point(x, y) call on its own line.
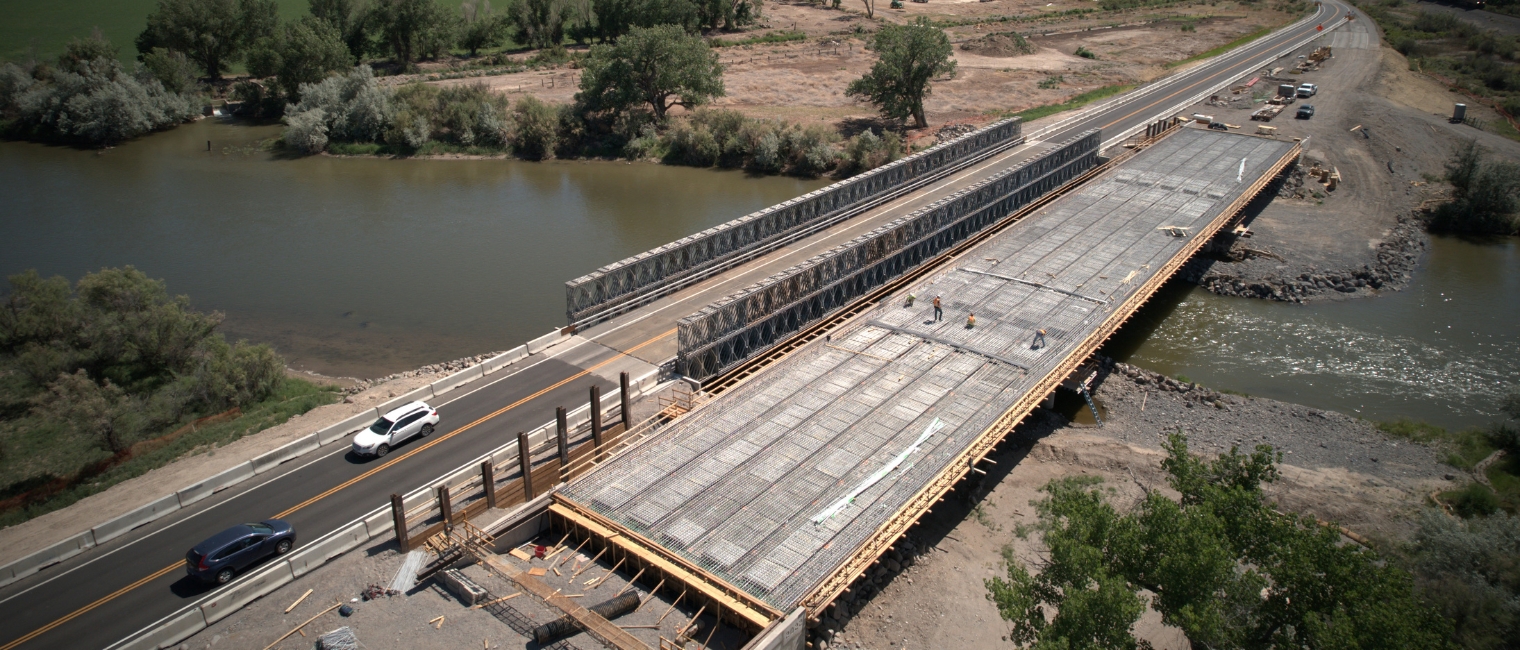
point(787, 485)
point(627, 279)
point(727, 332)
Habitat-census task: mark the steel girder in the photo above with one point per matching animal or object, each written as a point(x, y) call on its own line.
point(751, 320)
point(627, 279)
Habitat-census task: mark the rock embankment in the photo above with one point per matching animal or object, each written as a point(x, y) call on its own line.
point(1392, 267)
point(430, 369)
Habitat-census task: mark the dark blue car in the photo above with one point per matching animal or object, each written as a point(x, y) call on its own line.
point(225, 554)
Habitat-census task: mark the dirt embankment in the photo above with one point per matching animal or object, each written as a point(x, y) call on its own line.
point(1383, 130)
point(930, 591)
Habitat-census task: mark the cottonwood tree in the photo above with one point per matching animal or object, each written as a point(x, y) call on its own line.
point(412, 29)
point(482, 27)
point(870, 8)
point(349, 18)
point(1223, 565)
point(908, 57)
point(660, 67)
point(102, 412)
point(539, 23)
point(299, 53)
point(213, 33)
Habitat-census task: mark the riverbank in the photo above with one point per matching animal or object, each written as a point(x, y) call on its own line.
point(1337, 468)
point(1381, 129)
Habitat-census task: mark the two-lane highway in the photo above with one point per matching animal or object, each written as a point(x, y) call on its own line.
point(110, 591)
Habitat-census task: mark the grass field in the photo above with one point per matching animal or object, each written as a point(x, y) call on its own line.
point(48, 25)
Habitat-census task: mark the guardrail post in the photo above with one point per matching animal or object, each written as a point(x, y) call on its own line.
point(445, 506)
point(623, 396)
point(398, 517)
point(562, 435)
point(488, 479)
point(596, 419)
point(525, 461)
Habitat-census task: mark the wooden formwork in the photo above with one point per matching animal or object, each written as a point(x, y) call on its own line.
point(896, 526)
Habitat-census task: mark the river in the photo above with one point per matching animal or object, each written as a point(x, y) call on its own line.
point(364, 266)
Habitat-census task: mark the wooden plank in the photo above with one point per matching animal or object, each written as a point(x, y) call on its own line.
point(751, 613)
point(598, 627)
point(545, 476)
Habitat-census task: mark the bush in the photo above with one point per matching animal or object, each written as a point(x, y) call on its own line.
point(1485, 195)
point(354, 108)
point(537, 129)
point(693, 145)
point(1467, 570)
point(89, 99)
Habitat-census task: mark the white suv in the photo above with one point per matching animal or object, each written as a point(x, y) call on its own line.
point(416, 419)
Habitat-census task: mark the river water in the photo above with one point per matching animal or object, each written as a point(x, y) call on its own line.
point(365, 266)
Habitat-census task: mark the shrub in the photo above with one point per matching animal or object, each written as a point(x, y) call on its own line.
point(693, 145)
point(767, 156)
point(1467, 570)
point(1085, 53)
point(1485, 195)
point(537, 129)
point(1475, 500)
point(354, 107)
point(867, 151)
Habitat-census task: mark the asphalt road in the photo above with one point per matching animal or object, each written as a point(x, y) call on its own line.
point(111, 591)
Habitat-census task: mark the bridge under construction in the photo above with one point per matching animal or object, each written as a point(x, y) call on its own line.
point(781, 490)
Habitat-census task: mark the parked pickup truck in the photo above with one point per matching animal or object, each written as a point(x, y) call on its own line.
point(1308, 90)
point(1305, 112)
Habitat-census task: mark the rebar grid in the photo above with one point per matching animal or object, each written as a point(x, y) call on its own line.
point(734, 486)
point(631, 277)
point(748, 321)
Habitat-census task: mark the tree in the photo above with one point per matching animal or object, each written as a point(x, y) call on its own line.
point(348, 108)
point(92, 101)
point(348, 19)
point(870, 8)
point(300, 53)
point(1485, 195)
point(482, 28)
point(539, 23)
point(412, 29)
point(213, 33)
point(103, 412)
point(1223, 565)
point(1467, 568)
point(614, 18)
point(172, 69)
point(908, 57)
point(659, 66)
point(83, 50)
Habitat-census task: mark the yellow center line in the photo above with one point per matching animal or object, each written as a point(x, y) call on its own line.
point(160, 573)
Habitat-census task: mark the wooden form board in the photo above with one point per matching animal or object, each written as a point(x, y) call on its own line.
point(600, 628)
point(744, 610)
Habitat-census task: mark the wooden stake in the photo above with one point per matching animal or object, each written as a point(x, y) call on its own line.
point(498, 600)
point(629, 585)
point(298, 601)
point(572, 553)
point(592, 563)
point(672, 606)
point(609, 573)
point(298, 627)
point(652, 592)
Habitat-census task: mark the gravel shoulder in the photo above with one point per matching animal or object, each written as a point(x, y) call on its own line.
point(1383, 128)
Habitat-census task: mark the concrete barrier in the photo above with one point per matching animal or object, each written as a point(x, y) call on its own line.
point(120, 525)
point(231, 476)
point(423, 393)
point(380, 523)
point(340, 430)
point(311, 557)
point(248, 590)
point(457, 379)
point(544, 342)
point(47, 557)
point(505, 359)
point(170, 632)
point(287, 452)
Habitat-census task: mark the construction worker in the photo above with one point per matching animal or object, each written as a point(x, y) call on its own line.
point(1039, 340)
point(970, 321)
point(938, 313)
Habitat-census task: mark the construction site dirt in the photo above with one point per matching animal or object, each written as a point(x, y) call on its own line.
point(1382, 129)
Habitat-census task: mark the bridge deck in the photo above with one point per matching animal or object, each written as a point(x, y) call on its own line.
point(780, 484)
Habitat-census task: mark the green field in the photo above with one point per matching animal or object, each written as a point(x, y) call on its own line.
point(47, 26)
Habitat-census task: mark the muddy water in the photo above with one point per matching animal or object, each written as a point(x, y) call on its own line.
point(353, 266)
point(1445, 349)
point(364, 267)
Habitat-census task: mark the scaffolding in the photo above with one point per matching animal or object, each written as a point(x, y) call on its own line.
point(751, 320)
point(631, 282)
point(786, 486)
